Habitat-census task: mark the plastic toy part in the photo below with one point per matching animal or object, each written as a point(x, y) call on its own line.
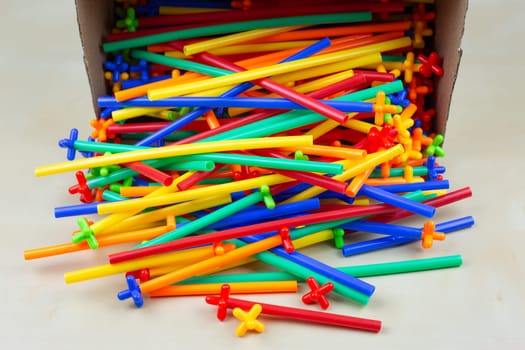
point(248, 320)
point(86, 194)
point(85, 234)
point(428, 234)
point(430, 65)
point(338, 237)
point(132, 292)
point(130, 22)
point(267, 197)
point(70, 144)
point(317, 293)
point(222, 303)
point(435, 148)
point(116, 67)
point(284, 233)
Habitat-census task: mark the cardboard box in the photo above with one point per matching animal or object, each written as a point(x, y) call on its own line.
point(95, 20)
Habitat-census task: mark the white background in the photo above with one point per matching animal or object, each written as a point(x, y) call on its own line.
point(480, 305)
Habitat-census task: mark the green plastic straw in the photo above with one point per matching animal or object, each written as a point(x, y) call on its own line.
point(381, 269)
point(206, 220)
point(236, 27)
point(112, 196)
point(180, 64)
point(269, 162)
point(195, 165)
point(418, 171)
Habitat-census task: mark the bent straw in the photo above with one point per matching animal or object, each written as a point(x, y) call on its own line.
point(171, 151)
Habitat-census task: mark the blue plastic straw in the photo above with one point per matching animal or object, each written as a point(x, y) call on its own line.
point(248, 217)
point(229, 102)
point(414, 186)
point(188, 118)
point(392, 241)
point(397, 201)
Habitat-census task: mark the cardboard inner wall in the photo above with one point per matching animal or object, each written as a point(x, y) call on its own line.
point(95, 20)
point(450, 24)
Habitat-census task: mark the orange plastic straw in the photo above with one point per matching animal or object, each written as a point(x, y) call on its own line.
point(103, 241)
point(235, 288)
point(358, 181)
point(210, 264)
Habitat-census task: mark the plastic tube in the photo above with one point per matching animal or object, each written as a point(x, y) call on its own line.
point(171, 151)
point(235, 288)
point(397, 201)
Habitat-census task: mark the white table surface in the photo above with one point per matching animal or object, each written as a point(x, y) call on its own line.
point(480, 305)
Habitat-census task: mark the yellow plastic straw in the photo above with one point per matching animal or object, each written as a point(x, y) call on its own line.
point(191, 194)
point(250, 48)
point(183, 256)
point(175, 210)
point(262, 72)
point(329, 151)
point(134, 112)
point(236, 38)
point(172, 151)
point(112, 220)
point(235, 288)
point(209, 264)
point(371, 161)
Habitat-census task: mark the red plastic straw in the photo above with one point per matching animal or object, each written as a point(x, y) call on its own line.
point(303, 314)
point(151, 173)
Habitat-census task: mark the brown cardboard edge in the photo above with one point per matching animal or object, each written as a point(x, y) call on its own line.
point(450, 26)
point(94, 18)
